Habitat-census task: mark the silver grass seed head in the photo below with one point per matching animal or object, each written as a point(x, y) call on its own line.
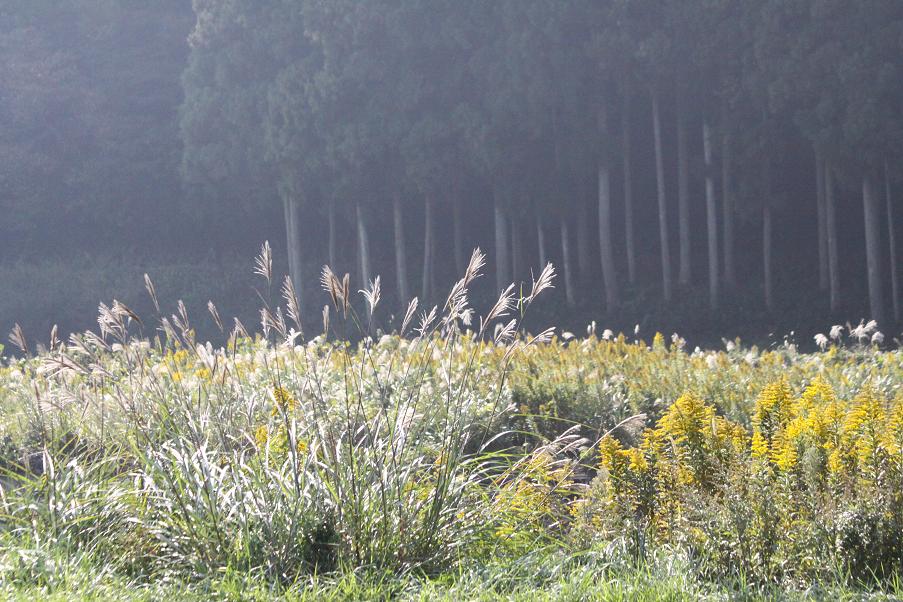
point(214, 313)
point(17, 338)
point(263, 263)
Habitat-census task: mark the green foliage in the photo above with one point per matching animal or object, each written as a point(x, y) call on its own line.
point(433, 459)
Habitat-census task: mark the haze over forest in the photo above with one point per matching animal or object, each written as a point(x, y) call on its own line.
point(711, 167)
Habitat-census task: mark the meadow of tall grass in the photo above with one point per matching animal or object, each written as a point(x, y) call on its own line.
point(458, 457)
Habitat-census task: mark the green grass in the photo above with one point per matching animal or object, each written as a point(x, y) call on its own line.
point(540, 577)
point(444, 462)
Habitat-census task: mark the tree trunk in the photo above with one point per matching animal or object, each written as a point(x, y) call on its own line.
point(766, 255)
point(892, 242)
point(458, 234)
point(566, 260)
point(609, 275)
point(683, 193)
point(333, 258)
point(831, 239)
point(401, 262)
point(541, 241)
point(662, 203)
point(823, 277)
point(628, 188)
point(292, 221)
point(584, 258)
point(711, 217)
point(363, 243)
point(514, 224)
point(428, 246)
point(730, 274)
point(289, 235)
point(871, 210)
point(502, 275)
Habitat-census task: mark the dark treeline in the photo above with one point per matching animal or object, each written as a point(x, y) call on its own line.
point(738, 160)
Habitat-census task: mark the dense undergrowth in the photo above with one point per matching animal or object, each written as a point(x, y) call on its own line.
point(459, 457)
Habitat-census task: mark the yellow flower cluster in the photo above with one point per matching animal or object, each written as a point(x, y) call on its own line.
point(284, 402)
point(855, 441)
point(692, 450)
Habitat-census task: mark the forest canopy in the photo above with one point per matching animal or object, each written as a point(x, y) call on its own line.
point(683, 162)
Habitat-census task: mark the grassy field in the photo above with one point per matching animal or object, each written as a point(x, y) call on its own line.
point(459, 458)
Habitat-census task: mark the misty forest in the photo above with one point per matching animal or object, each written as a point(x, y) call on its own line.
point(451, 299)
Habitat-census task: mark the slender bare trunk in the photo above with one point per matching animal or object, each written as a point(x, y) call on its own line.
point(628, 188)
point(831, 239)
point(566, 260)
point(892, 242)
point(401, 262)
point(711, 217)
point(428, 246)
point(683, 193)
point(766, 255)
point(292, 221)
point(662, 201)
point(363, 243)
point(606, 252)
point(458, 234)
point(871, 209)
point(823, 277)
point(333, 257)
point(730, 274)
point(514, 226)
point(584, 259)
point(502, 275)
point(289, 234)
point(541, 240)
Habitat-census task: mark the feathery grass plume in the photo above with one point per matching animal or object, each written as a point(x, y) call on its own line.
point(346, 293)
point(371, 294)
point(54, 339)
point(180, 318)
point(263, 263)
point(456, 302)
point(183, 326)
point(125, 311)
point(97, 341)
point(408, 315)
point(109, 322)
point(240, 329)
point(502, 306)
point(863, 332)
point(152, 291)
point(511, 348)
point(168, 331)
point(629, 431)
point(215, 314)
point(207, 357)
point(56, 364)
point(543, 337)
point(504, 333)
point(17, 338)
point(456, 297)
point(426, 320)
point(542, 283)
point(332, 285)
point(266, 321)
point(474, 266)
point(291, 302)
point(279, 323)
point(77, 344)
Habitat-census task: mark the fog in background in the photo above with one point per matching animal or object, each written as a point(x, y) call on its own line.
point(717, 169)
